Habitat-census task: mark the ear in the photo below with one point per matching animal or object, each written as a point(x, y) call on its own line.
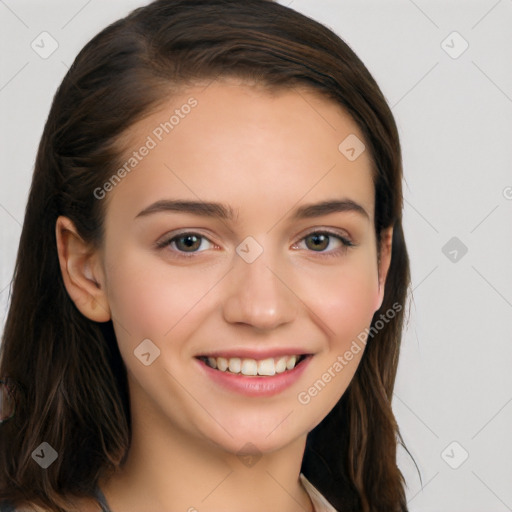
point(383, 262)
point(81, 271)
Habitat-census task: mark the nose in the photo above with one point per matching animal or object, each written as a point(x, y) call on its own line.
point(259, 295)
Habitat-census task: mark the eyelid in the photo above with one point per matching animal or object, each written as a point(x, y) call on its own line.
point(335, 232)
point(168, 238)
point(343, 237)
point(345, 240)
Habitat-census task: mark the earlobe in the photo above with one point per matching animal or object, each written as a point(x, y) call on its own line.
point(81, 272)
point(384, 263)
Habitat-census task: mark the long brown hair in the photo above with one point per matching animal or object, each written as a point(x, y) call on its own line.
point(71, 386)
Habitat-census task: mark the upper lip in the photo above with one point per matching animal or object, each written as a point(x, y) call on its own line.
point(248, 353)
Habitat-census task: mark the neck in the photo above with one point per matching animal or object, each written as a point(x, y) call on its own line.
point(168, 468)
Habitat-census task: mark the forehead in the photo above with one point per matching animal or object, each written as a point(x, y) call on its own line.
point(235, 142)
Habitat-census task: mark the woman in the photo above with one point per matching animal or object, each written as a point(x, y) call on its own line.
point(208, 299)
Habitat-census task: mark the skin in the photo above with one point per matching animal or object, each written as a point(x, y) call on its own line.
point(264, 154)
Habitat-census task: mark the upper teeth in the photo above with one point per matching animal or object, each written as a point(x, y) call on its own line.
point(269, 366)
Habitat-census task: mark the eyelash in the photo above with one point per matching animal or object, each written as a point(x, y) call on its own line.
point(346, 243)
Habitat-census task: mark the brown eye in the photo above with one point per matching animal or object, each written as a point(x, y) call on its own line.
point(319, 241)
point(326, 243)
point(187, 242)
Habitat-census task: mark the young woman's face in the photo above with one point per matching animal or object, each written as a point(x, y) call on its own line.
point(214, 248)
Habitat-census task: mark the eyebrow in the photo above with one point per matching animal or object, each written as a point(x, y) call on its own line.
point(203, 208)
point(326, 207)
point(225, 212)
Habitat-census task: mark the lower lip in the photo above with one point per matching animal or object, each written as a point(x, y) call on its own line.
point(255, 385)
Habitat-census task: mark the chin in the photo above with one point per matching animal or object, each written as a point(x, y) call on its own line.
point(257, 434)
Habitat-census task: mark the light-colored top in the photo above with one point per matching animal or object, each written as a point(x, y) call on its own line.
point(320, 504)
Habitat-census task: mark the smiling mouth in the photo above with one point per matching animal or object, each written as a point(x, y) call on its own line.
point(252, 367)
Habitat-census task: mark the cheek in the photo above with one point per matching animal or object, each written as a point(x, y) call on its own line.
point(149, 300)
point(345, 304)
point(347, 298)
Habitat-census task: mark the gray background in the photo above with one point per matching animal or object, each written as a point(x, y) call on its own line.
point(454, 110)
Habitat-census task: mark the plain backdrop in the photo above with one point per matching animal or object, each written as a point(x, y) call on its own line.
point(445, 69)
